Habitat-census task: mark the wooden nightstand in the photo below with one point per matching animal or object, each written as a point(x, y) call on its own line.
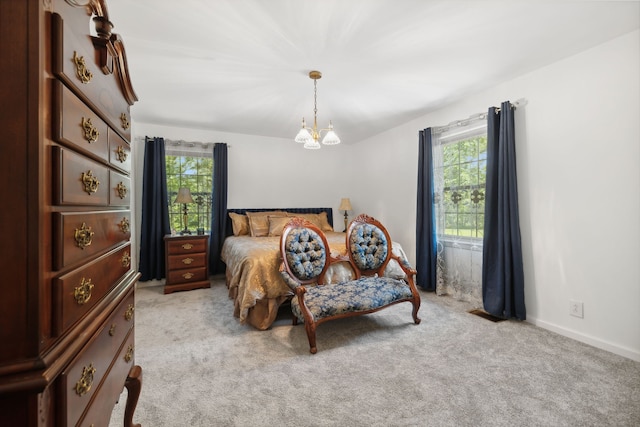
point(187, 260)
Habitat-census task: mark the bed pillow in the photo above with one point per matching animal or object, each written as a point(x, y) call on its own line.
point(239, 224)
point(319, 220)
point(276, 224)
point(324, 222)
point(259, 222)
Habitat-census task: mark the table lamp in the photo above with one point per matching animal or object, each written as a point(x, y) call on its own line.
point(184, 197)
point(345, 205)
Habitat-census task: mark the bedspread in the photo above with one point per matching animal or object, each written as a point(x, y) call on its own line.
point(255, 284)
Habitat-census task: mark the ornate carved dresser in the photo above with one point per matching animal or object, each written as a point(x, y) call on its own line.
point(67, 295)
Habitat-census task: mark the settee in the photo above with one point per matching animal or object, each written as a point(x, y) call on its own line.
point(305, 260)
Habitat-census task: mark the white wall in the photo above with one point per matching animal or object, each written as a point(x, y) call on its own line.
point(578, 153)
point(578, 148)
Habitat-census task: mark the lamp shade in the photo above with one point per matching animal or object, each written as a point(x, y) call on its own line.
point(184, 196)
point(345, 204)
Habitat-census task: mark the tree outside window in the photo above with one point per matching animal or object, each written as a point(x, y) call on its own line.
point(463, 169)
point(196, 174)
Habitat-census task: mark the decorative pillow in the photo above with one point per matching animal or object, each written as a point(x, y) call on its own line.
point(319, 220)
point(276, 224)
point(239, 224)
point(324, 222)
point(259, 222)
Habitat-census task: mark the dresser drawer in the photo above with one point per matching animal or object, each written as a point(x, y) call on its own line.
point(177, 262)
point(119, 152)
point(75, 125)
point(82, 378)
point(187, 275)
point(119, 189)
point(186, 247)
point(99, 412)
point(78, 180)
point(74, 60)
point(80, 235)
point(75, 293)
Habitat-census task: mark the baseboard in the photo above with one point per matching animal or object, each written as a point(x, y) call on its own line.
point(587, 339)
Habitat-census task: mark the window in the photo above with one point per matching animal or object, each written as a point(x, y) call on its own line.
point(195, 173)
point(460, 170)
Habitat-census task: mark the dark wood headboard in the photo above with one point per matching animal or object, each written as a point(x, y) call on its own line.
point(229, 230)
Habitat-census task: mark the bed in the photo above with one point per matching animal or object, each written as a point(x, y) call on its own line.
point(251, 254)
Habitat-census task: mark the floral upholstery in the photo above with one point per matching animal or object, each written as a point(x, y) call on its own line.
point(369, 247)
point(305, 252)
point(305, 262)
point(363, 295)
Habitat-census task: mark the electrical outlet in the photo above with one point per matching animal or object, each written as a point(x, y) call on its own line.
point(576, 308)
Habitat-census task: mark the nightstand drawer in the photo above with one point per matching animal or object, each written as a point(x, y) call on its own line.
point(177, 262)
point(186, 246)
point(187, 275)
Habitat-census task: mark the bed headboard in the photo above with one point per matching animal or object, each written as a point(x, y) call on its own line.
point(229, 230)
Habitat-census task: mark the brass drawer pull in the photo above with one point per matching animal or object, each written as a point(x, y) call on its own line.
point(90, 182)
point(128, 315)
point(188, 275)
point(121, 154)
point(86, 380)
point(82, 71)
point(126, 260)
point(122, 190)
point(187, 261)
point(83, 236)
point(82, 293)
point(124, 225)
point(125, 121)
point(91, 133)
point(129, 354)
point(112, 330)
point(187, 246)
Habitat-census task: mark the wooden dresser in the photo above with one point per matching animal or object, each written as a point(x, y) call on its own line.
point(67, 308)
point(187, 260)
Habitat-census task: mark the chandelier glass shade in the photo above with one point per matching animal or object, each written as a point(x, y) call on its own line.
point(309, 136)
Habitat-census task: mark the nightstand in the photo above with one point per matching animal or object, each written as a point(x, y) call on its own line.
point(187, 260)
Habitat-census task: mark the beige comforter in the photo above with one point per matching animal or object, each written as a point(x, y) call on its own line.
point(255, 284)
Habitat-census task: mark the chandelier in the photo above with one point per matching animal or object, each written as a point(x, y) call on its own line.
point(310, 136)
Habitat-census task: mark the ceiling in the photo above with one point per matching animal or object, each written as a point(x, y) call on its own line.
point(242, 66)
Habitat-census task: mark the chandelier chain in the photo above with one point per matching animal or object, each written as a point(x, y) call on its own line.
point(315, 104)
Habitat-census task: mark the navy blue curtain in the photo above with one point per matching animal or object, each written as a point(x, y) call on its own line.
point(426, 249)
point(219, 208)
point(155, 211)
point(502, 269)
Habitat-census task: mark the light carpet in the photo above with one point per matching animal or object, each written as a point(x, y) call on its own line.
point(201, 367)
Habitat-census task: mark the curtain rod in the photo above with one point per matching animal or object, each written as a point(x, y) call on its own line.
point(472, 118)
point(181, 142)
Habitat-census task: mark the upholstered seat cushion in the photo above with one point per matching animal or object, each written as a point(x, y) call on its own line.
point(361, 295)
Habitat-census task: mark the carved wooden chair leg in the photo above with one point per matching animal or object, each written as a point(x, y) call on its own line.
point(133, 385)
point(416, 319)
point(311, 334)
